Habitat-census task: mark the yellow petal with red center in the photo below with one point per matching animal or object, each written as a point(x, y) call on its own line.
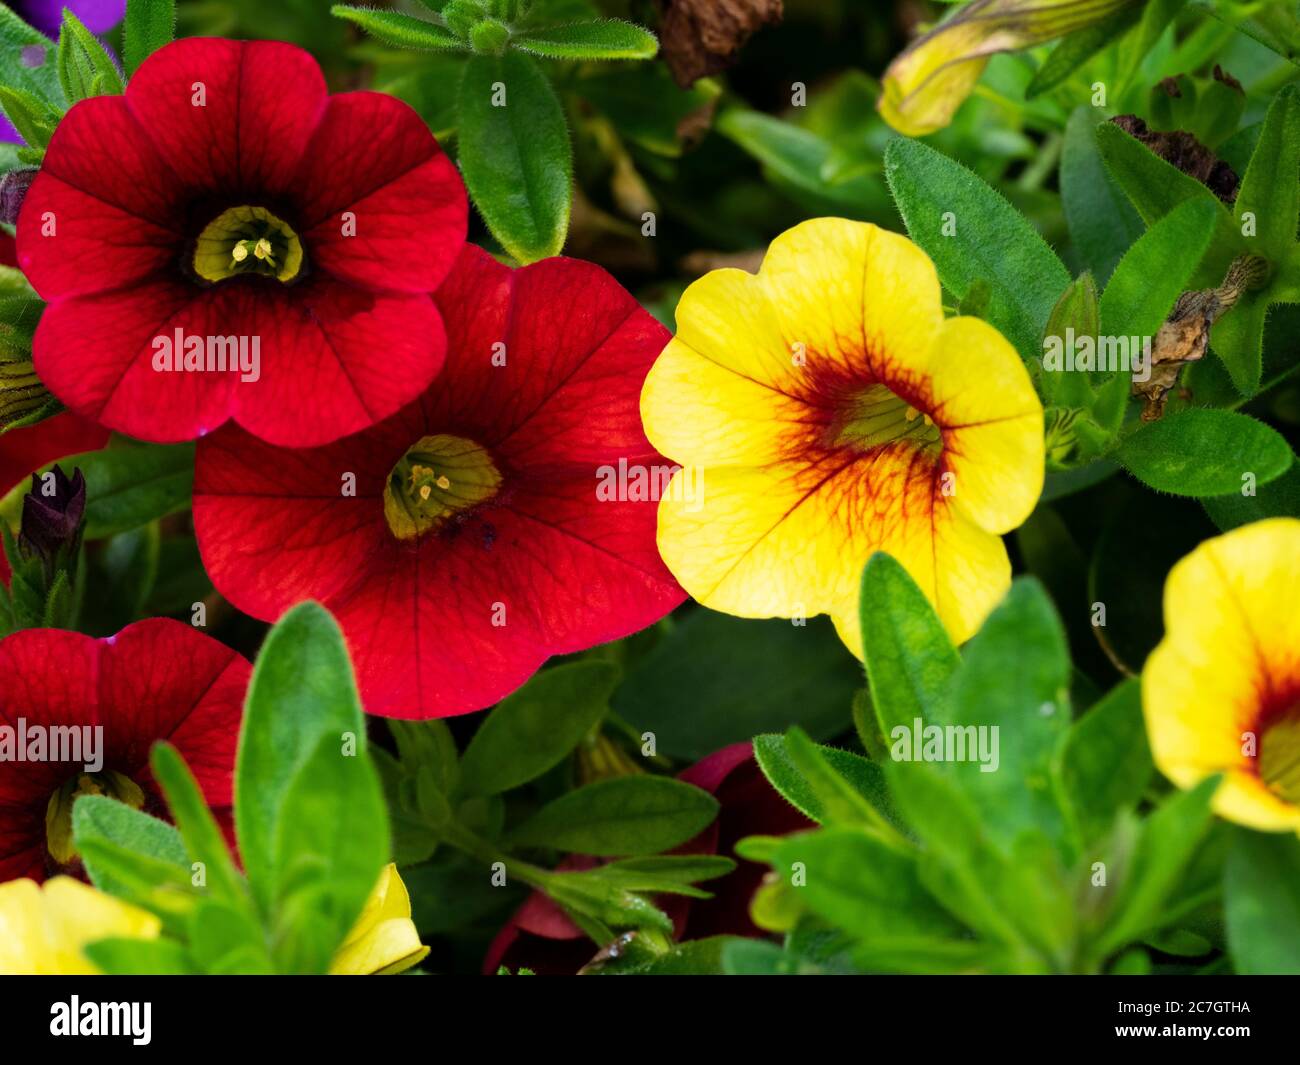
point(855, 296)
point(1228, 665)
point(791, 541)
point(982, 396)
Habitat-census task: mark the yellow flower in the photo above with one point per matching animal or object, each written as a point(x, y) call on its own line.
point(384, 939)
point(1221, 691)
point(924, 86)
point(823, 410)
point(43, 927)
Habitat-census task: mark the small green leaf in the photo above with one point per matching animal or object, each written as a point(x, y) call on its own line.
point(27, 60)
point(31, 116)
point(1201, 452)
point(515, 154)
point(150, 24)
point(632, 815)
point(825, 784)
point(1156, 270)
point(99, 818)
point(331, 842)
point(607, 39)
point(1168, 840)
point(198, 828)
point(972, 232)
point(140, 957)
point(1153, 186)
point(909, 657)
point(1078, 48)
point(302, 692)
point(532, 730)
point(85, 67)
point(1262, 903)
point(1270, 189)
point(401, 31)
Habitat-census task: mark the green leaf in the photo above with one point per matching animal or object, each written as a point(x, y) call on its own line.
point(715, 680)
point(1153, 186)
point(101, 819)
point(1165, 847)
point(150, 24)
point(1156, 270)
point(331, 843)
point(85, 67)
point(20, 47)
point(126, 486)
point(631, 815)
point(1012, 691)
point(1078, 48)
point(302, 693)
point(802, 159)
point(1105, 765)
point(607, 39)
point(515, 154)
point(140, 957)
point(198, 828)
point(1102, 223)
point(909, 658)
point(401, 31)
point(825, 784)
point(673, 874)
point(31, 116)
point(863, 887)
point(1279, 498)
point(972, 232)
point(1200, 452)
point(1262, 903)
point(1271, 187)
point(532, 730)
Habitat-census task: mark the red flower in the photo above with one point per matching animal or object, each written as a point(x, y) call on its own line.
point(462, 541)
point(541, 937)
point(24, 451)
point(155, 680)
point(226, 197)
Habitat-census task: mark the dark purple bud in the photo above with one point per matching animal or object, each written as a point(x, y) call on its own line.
point(53, 512)
point(13, 190)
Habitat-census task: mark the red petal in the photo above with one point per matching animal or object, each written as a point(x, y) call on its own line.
point(374, 157)
point(114, 220)
point(333, 358)
point(262, 101)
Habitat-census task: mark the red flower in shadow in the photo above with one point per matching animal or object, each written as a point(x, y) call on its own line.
point(155, 680)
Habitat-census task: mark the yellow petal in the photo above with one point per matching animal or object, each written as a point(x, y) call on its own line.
point(992, 418)
point(59, 918)
point(1230, 653)
point(384, 939)
point(924, 86)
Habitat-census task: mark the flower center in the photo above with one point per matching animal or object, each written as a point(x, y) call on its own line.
point(878, 417)
point(247, 240)
point(58, 813)
point(1279, 758)
point(440, 477)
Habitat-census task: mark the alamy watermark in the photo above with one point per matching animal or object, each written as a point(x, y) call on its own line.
point(1085, 354)
point(920, 742)
point(53, 743)
point(180, 353)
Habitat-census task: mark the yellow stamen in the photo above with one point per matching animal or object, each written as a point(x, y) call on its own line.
point(239, 253)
